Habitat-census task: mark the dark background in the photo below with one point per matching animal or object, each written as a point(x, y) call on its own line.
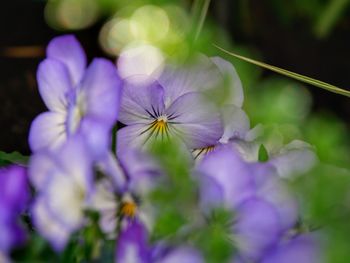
point(290, 46)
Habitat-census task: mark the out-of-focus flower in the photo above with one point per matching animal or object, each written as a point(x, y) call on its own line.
point(64, 182)
point(132, 246)
point(14, 197)
point(301, 249)
point(79, 98)
point(124, 202)
point(263, 206)
point(177, 104)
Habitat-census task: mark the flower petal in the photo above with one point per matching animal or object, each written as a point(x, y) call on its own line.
point(48, 226)
point(235, 95)
point(54, 84)
point(295, 158)
point(202, 75)
point(40, 167)
point(132, 244)
point(47, 131)
point(272, 189)
point(236, 123)
point(192, 118)
point(68, 50)
point(102, 87)
point(302, 249)
point(132, 137)
point(183, 255)
point(231, 173)
point(257, 228)
point(141, 103)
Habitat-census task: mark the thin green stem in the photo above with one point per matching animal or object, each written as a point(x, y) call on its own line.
point(199, 11)
point(302, 78)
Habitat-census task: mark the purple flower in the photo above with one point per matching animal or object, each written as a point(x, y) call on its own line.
point(133, 246)
point(177, 104)
point(264, 208)
point(140, 175)
point(301, 249)
point(63, 179)
point(14, 197)
point(78, 98)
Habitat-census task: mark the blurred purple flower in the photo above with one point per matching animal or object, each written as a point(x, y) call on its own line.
point(64, 181)
point(133, 246)
point(301, 249)
point(263, 206)
point(78, 98)
point(14, 198)
point(141, 174)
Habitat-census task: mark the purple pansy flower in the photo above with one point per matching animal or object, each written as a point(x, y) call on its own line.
point(263, 206)
point(141, 174)
point(177, 104)
point(63, 179)
point(133, 246)
point(14, 197)
point(78, 98)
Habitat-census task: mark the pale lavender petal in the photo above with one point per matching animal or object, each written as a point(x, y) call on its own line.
point(211, 194)
point(54, 84)
point(230, 77)
point(303, 249)
point(141, 103)
point(75, 161)
point(111, 167)
point(195, 120)
point(236, 123)
point(257, 228)
point(249, 151)
point(68, 50)
point(132, 244)
point(101, 87)
point(133, 137)
point(202, 75)
point(231, 173)
point(183, 255)
point(40, 166)
point(272, 189)
point(51, 229)
point(48, 130)
point(141, 170)
point(97, 136)
point(65, 199)
point(294, 159)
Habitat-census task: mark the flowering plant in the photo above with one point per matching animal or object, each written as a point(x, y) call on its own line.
point(138, 164)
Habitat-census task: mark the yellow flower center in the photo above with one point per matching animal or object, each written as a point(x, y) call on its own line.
point(128, 209)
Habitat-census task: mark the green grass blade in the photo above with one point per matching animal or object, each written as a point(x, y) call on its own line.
point(200, 10)
point(290, 74)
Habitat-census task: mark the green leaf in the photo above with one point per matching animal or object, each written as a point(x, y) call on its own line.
point(13, 158)
point(263, 154)
point(290, 74)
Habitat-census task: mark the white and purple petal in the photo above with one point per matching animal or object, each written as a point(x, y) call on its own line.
point(132, 244)
point(54, 84)
point(192, 118)
point(48, 130)
point(141, 103)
